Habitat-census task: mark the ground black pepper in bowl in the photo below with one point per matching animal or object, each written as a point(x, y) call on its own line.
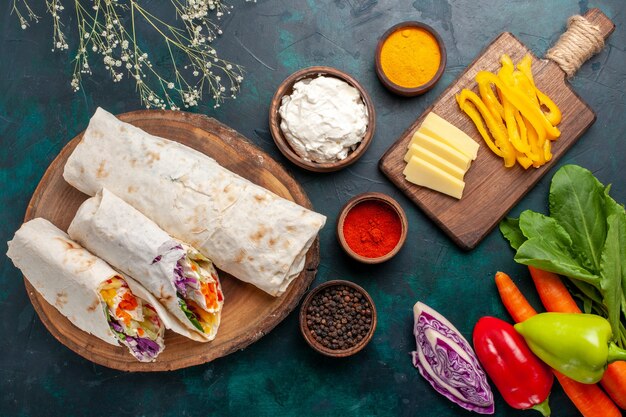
point(338, 318)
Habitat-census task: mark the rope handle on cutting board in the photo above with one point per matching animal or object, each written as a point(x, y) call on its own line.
point(583, 38)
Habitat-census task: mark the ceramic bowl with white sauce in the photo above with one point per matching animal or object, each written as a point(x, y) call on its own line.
point(322, 119)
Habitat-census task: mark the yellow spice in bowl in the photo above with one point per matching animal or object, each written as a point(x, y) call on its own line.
point(410, 57)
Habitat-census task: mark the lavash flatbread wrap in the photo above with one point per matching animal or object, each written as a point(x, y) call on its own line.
point(185, 282)
point(93, 296)
point(246, 230)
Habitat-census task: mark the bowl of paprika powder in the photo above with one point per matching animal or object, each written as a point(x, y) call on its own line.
point(410, 58)
point(372, 228)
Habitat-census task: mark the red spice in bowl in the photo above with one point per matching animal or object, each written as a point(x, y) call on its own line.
point(372, 227)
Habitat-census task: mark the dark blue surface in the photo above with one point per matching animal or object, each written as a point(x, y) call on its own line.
point(280, 375)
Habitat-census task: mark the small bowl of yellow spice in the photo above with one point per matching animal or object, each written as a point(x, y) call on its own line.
point(410, 58)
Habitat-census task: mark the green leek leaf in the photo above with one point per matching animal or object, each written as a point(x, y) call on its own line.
point(584, 239)
point(577, 204)
point(190, 315)
point(549, 248)
point(511, 231)
point(611, 267)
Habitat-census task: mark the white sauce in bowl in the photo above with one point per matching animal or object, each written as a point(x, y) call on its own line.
point(323, 119)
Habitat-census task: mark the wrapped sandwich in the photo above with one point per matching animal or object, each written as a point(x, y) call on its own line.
point(243, 228)
point(181, 278)
point(87, 291)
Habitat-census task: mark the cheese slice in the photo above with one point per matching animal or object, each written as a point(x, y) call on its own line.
point(439, 148)
point(434, 159)
point(423, 173)
point(446, 132)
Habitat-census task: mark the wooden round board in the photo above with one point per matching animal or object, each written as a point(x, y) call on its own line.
point(248, 313)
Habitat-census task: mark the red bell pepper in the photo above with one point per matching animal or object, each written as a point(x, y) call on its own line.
point(523, 379)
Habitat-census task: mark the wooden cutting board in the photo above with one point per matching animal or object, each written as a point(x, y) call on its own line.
point(248, 313)
point(490, 189)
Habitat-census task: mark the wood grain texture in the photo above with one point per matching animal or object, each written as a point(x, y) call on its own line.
point(248, 314)
point(490, 189)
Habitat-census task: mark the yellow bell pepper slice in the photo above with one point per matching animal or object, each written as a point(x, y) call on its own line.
point(471, 111)
point(523, 132)
point(523, 104)
point(536, 150)
point(516, 120)
point(506, 72)
point(512, 128)
point(506, 75)
point(523, 160)
point(524, 84)
point(525, 65)
point(547, 147)
point(491, 100)
point(553, 114)
point(496, 127)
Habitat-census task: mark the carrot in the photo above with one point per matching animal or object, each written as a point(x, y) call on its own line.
point(590, 400)
point(614, 383)
point(123, 315)
point(210, 294)
point(128, 303)
point(513, 299)
point(553, 293)
point(555, 297)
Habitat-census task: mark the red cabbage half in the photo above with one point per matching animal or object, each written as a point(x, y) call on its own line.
point(448, 362)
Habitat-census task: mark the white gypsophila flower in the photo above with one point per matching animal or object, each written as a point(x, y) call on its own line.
point(108, 29)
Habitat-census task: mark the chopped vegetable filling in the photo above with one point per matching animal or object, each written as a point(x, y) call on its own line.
point(133, 321)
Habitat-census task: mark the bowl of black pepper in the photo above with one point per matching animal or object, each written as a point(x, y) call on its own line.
point(338, 318)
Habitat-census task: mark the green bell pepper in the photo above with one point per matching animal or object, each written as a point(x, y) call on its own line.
point(577, 345)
